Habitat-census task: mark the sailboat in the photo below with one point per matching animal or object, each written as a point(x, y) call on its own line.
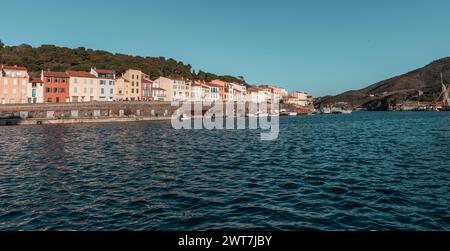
point(444, 95)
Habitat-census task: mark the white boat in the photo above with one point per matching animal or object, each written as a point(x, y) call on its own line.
point(259, 114)
point(346, 111)
point(293, 114)
point(184, 117)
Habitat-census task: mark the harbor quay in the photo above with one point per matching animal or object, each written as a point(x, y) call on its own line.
point(99, 112)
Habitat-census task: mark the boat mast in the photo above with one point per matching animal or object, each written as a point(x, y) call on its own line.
point(445, 92)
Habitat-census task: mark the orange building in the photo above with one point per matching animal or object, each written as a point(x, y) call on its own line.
point(222, 87)
point(56, 87)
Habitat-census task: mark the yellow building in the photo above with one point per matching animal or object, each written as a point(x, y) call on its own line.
point(128, 86)
point(83, 86)
point(13, 84)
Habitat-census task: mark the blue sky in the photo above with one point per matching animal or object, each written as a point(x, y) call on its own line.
point(323, 47)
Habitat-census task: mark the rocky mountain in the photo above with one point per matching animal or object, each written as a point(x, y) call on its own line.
point(423, 84)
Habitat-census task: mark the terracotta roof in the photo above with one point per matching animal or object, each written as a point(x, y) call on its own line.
point(80, 74)
point(14, 68)
point(102, 71)
point(214, 85)
point(54, 74)
point(35, 80)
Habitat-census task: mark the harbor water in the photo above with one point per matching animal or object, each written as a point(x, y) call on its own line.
point(364, 171)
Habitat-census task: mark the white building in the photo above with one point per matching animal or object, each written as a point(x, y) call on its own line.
point(214, 92)
point(35, 91)
point(158, 93)
point(239, 92)
point(197, 92)
point(106, 83)
point(259, 95)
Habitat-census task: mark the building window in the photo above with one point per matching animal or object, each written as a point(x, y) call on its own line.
point(56, 80)
point(111, 82)
point(49, 100)
point(55, 90)
point(75, 80)
point(84, 90)
point(49, 80)
point(33, 85)
point(63, 90)
point(91, 91)
point(111, 91)
point(63, 80)
point(49, 90)
point(75, 90)
point(102, 91)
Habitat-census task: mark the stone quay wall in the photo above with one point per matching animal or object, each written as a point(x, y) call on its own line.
point(89, 110)
point(99, 112)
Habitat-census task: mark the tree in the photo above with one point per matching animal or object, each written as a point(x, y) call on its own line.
point(1, 44)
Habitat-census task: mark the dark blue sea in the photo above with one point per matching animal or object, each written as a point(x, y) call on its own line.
point(364, 171)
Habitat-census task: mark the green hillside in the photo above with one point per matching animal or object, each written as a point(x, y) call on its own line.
point(51, 57)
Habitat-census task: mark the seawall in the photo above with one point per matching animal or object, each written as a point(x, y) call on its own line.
point(93, 112)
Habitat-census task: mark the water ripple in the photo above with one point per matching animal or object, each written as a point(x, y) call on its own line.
point(367, 171)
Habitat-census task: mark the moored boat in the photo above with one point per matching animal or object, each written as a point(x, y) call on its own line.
point(9, 119)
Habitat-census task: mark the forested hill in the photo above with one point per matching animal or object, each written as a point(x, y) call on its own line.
point(51, 57)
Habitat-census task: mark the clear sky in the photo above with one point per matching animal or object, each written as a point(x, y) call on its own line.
point(323, 47)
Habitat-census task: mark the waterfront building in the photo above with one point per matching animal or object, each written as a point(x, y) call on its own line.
point(239, 92)
point(35, 91)
point(298, 98)
point(259, 94)
point(13, 82)
point(224, 91)
point(214, 92)
point(106, 82)
point(158, 93)
point(128, 86)
point(146, 91)
point(121, 89)
point(177, 89)
point(56, 87)
point(200, 91)
point(83, 86)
